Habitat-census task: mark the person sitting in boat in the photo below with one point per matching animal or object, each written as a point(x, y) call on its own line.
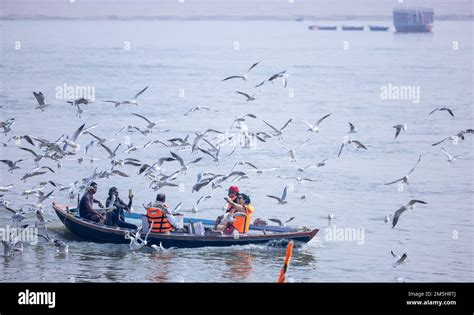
point(232, 193)
point(118, 216)
point(156, 213)
point(86, 204)
point(243, 205)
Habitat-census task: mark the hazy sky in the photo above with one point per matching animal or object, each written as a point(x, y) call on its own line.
point(225, 8)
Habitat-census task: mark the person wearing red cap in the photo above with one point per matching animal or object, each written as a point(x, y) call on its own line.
point(232, 193)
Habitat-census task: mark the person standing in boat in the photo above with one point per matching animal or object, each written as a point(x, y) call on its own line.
point(156, 213)
point(118, 216)
point(86, 204)
point(241, 224)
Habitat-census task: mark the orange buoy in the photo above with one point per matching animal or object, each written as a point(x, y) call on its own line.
point(289, 252)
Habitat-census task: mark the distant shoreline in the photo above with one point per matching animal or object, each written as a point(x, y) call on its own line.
point(228, 18)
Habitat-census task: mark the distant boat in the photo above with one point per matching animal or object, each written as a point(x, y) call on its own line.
point(352, 28)
point(322, 28)
point(375, 28)
point(299, 19)
point(413, 20)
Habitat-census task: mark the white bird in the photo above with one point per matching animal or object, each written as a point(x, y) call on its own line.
point(63, 248)
point(281, 200)
point(441, 109)
point(132, 101)
point(151, 124)
point(301, 180)
point(405, 179)
point(279, 132)
point(409, 205)
point(399, 128)
point(203, 198)
point(315, 127)
point(184, 165)
point(194, 209)
point(160, 249)
point(195, 109)
point(12, 165)
point(249, 97)
point(357, 144)
point(282, 223)
point(244, 163)
point(387, 218)
point(352, 128)
point(292, 151)
point(281, 74)
point(112, 154)
point(243, 77)
point(136, 241)
point(330, 216)
point(452, 158)
point(215, 157)
point(41, 103)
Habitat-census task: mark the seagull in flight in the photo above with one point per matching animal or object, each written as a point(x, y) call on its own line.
point(352, 128)
point(111, 153)
point(399, 128)
point(151, 124)
point(281, 74)
point(249, 98)
point(12, 164)
point(282, 223)
point(451, 158)
point(399, 259)
point(456, 137)
point(132, 101)
point(409, 205)
point(279, 132)
point(41, 103)
point(292, 151)
point(357, 144)
point(195, 109)
point(184, 165)
point(281, 200)
point(315, 127)
point(405, 178)
point(442, 109)
point(243, 77)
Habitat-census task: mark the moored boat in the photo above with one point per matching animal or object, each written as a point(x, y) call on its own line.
point(352, 28)
point(263, 235)
point(413, 20)
point(322, 28)
point(376, 28)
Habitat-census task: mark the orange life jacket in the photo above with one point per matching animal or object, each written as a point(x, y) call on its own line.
point(157, 221)
point(242, 224)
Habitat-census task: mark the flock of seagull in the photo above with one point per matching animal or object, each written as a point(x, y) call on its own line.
point(207, 144)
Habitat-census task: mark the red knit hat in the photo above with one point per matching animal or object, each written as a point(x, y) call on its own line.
point(234, 189)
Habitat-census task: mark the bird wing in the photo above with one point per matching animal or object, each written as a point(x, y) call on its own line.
point(395, 181)
point(319, 121)
point(177, 157)
point(276, 221)
point(40, 98)
point(77, 132)
point(413, 168)
point(142, 117)
point(106, 148)
point(290, 219)
point(8, 162)
point(286, 124)
point(434, 110)
point(117, 172)
point(359, 144)
point(304, 143)
point(450, 112)
point(251, 165)
point(271, 126)
point(207, 152)
point(440, 141)
point(244, 94)
point(195, 160)
point(397, 132)
point(233, 77)
point(274, 197)
point(446, 153)
point(413, 201)
point(139, 93)
point(261, 83)
point(397, 215)
point(351, 126)
point(340, 150)
point(252, 66)
point(43, 198)
point(285, 193)
point(394, 254)
point(29, 150)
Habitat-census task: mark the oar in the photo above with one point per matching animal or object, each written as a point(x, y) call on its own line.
point(289, 252)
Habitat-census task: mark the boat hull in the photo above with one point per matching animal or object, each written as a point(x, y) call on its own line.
point(91, 231)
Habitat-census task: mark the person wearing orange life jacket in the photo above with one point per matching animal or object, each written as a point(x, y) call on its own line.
point(242, 224)
point(232, 193)
point(156, 214)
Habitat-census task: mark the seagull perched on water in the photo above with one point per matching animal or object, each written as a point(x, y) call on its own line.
point(243, 77)
point(315, 127)
point(399, 128)
point(441, 109)
point(281, 200)
point(41, 103)
point(405, 178)
point(451, 158)
point(409, 205)
point(132, 101)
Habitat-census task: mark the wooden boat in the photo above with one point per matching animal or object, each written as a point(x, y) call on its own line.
point(322, 28)
point(352, 28)
point(95, 232)
point(375, 28)
point(413, 20)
